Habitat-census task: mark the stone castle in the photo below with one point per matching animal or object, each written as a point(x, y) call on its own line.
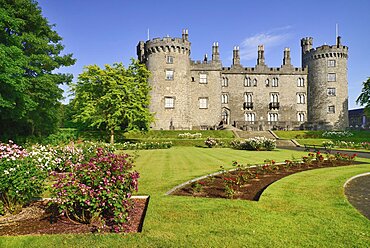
point(189, 94)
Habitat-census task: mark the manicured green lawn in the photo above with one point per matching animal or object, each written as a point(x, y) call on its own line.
point(307, 209)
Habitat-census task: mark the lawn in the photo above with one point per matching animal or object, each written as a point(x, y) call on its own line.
point(307, 209)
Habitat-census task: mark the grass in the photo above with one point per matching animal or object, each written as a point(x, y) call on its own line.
point(307, 209)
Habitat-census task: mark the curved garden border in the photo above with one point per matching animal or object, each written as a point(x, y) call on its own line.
point(360, 203)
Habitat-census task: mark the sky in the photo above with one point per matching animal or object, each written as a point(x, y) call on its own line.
point(104, 32)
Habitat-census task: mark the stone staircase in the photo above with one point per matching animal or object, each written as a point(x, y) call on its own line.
point(252, 134)
point(267, 134)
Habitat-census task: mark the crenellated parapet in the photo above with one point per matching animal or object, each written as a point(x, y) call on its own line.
point(266, 70)
point(164, 45)
point(322, 52)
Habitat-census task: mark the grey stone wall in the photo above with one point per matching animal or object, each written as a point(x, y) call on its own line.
point(317, 61)
point(186, 87)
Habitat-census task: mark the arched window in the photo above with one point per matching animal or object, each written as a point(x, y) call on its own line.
point(224, 98)
point(275, 82)
point(225, 82)
point(300, 117)
point(254, 82)
point(250, 117)
point(301, 98)
point(300, 82)
point(247, 82)
point(272, 117)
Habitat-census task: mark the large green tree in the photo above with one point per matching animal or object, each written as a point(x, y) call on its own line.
point(364, 98)
point(113, 98)
point(30, 50)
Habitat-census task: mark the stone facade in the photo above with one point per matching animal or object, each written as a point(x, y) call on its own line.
point(190, 94)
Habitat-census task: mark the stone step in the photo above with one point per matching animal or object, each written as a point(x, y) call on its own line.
point(252, 134)
point(285, 143)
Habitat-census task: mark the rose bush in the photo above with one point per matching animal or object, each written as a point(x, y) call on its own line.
point(20, 178)
point(98, 192)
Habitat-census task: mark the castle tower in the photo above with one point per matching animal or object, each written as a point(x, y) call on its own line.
point(168, 59)
point(327, 84)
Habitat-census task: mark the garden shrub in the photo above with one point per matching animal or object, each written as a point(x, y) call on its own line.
point(190, 135)
point(256, 143)
point(212, 142)
point(98, 192)
point(20, 179)
point(145, 145)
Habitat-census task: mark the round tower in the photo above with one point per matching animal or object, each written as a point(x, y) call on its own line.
point(327, 86)
point(168, 60)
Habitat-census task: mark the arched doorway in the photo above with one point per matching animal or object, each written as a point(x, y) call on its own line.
point(225, 116)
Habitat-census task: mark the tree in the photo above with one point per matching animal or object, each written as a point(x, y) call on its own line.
point(364, 98)
point(29, 53)
point(113, 98)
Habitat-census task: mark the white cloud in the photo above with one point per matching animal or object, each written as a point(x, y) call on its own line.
point(270, 39)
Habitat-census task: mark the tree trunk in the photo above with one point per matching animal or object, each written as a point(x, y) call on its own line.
point(112, 136)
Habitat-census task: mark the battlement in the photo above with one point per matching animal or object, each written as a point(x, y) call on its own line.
point(326, 51)
point(265, 70)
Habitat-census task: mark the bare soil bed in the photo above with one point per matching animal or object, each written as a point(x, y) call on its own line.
point(37, 218)
point(215, 186)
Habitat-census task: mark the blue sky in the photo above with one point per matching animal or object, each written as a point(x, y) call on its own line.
point(104, 32)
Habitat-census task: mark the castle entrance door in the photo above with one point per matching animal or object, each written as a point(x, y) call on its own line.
point(225, 116)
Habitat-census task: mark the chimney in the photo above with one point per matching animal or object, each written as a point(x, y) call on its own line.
point(236, 56)
point(215, 52)
point(261, 56)
point(286, 59)
point(185, 34)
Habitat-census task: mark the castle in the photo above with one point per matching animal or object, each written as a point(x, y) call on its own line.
point(189, 94)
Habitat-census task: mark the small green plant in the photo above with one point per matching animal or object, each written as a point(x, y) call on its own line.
point(197, 186)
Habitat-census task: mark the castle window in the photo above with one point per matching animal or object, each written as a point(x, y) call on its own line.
point(300, 116)
point(169, 74)
point(274, 97)
point(300, 82)
point(203, 102)
point(224, 98)
point(332, 92)
point(169, 59)
point(247, 82)
point(267, 83)
point(332, 77)
point(225, 82)
point(301, 98)
point(169, 102)
point(248, 97)
point(254, 82)
point(275, 82)
point(250, 117)
point(202, 78)
point(273, 117)
point(331, 109)
point(331, 63)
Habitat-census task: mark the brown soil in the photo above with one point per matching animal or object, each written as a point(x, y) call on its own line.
point(37, 219)
point(214, 187)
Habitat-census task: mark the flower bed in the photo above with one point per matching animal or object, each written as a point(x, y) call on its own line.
point(95, 188)
point(248, 182)
point(346, 144)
